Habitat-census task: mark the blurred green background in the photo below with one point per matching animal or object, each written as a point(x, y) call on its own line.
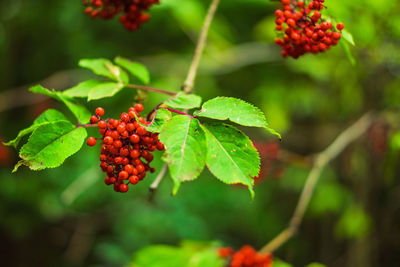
point(68, 217)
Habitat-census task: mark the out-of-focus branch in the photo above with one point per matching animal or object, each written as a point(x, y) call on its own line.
point(321, 160)
point(191, 76)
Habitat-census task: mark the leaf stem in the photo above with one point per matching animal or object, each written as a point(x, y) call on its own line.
point(180, 112)
point(321, 160)
point(151, 89)
point(191, 76)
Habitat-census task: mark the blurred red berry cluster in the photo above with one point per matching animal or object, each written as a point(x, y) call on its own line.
point(304, 31)
point(132, 10)
point(247, 256)
point(125, 142)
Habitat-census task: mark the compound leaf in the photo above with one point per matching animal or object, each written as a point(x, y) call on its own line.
point(106, 68)
point(186, 101)
point(231, 156)
point(50, 115)
point(50, 144)
point(104, 90)
point(137, 69)
point(185, 145)
point(82, 89)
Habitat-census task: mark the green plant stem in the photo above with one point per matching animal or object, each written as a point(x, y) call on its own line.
point(321, 160)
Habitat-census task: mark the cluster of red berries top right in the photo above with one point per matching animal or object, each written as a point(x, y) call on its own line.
point(247, 256)
point(303, 28)
point(133, 10)
point(127, 147)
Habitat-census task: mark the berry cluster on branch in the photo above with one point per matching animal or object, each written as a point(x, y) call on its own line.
point(247, 256)
point(125, 144)
point(132, 10)
point(304, 31)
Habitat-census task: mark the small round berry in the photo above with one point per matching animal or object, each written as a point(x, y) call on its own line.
point(139, 107)
point(133, 179)
point(102, 124)
point(134, 138)
point(340, 26)
point(141, 130)
point(160, 146)
point(123, 175)
point(99, 111)
point(93, 119)
point(123, 188)
point(108, 140)
point(91, 141)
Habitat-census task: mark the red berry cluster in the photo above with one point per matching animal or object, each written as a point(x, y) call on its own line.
point(246, 257)
point(132, 10)
point(304, 29)
point(125, 141)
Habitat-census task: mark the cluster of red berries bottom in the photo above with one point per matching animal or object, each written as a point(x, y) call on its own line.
point(132, 10)
point(246, 257)
point(125, 144)
point(304, 31)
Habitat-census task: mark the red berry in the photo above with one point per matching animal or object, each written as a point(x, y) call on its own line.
point(139, 107)
point(99, 111)
point(123, 188)
point(93, 119)
point(91, 141)
point(340, 26)
point(133, 179)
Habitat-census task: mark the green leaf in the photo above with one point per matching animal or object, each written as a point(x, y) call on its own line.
point(160, 256)
point(162, 117)
point(106, 68)
point(168, 256)
point(82, 89)
point(348, 37)
point(137, 69)
point(50, 145)
point(104, 90)
point(231, 155)
point(80, 112)
point(316, 264)
point(279, 263)
point(186, 101)
point(235, 110)
point(185, 145)
point(50, 115)
point(348, 53)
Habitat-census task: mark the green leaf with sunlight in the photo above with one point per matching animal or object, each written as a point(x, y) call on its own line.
point(80, 112)
point(105, 68)
point(235, 110)
point(231, 156)
point(104, 90)
point(184, 101)
point(82, 89)
point(50, 144)
point(49, 116)
point(137, 69)
point(185, 145)
point(162, 116)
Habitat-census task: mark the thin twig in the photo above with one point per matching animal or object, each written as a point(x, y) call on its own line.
point(189, 82)
point(157, 181)
point(151, 89)
point(321, 160)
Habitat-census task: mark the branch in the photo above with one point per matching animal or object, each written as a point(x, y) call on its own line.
point(321, 160)
point(157, 181)
point(151, 89)
point(189, 82)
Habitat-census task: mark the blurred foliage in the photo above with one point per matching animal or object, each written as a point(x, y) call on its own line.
point(70, 218)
